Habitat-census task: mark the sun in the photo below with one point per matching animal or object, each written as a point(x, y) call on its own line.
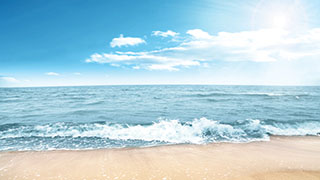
point(279, 21)
point(290, 15)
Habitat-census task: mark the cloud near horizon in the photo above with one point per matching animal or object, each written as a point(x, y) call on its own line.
point(9, 79)
point(52, 74)
point(200, 48)
point(126, 41)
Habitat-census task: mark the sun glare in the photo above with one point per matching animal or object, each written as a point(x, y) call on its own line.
point(289, 15)
point(279, 21)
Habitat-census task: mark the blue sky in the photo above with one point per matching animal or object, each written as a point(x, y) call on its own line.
point(59, 43)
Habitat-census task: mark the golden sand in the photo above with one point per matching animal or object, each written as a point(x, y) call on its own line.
point(294, 158)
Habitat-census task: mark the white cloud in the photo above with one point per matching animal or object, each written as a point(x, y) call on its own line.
point(136, 67)
point(109, 58)
point(199, 34)
point(126, 41)
point(147, 60)
point(9, 79)
point(259, 46)
point(164, 34)
point(115, 65)
point(77, 73)
point(52, 74)
point(266, 45)
point(162, 67)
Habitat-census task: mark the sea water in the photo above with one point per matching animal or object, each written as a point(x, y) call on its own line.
point(47, 118)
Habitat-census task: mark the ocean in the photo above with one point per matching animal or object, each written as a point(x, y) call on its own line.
point(94, 117)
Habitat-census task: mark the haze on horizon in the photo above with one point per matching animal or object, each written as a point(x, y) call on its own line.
point(70, 43)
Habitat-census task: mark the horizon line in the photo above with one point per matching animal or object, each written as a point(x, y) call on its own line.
point(279, 85)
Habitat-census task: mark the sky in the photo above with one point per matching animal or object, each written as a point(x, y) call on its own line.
point(115, 42)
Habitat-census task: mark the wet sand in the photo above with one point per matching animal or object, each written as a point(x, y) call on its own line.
point(281, 158)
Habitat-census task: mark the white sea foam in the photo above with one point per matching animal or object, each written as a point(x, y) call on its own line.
point(198, 131)
point(294, 129)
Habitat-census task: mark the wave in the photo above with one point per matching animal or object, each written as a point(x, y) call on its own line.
point(257, 94)
point(197, 131)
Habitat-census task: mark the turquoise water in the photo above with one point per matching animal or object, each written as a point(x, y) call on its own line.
point(47, 118)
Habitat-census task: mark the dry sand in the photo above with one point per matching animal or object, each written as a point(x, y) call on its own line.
point(294, 158)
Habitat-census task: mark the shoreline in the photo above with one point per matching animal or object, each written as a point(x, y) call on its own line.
point(282, 157)
point(271, 137)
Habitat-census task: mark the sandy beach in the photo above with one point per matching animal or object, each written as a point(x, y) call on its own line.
point(281, 158)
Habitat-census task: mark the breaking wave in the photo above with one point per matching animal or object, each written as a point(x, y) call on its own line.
point(198, 131)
